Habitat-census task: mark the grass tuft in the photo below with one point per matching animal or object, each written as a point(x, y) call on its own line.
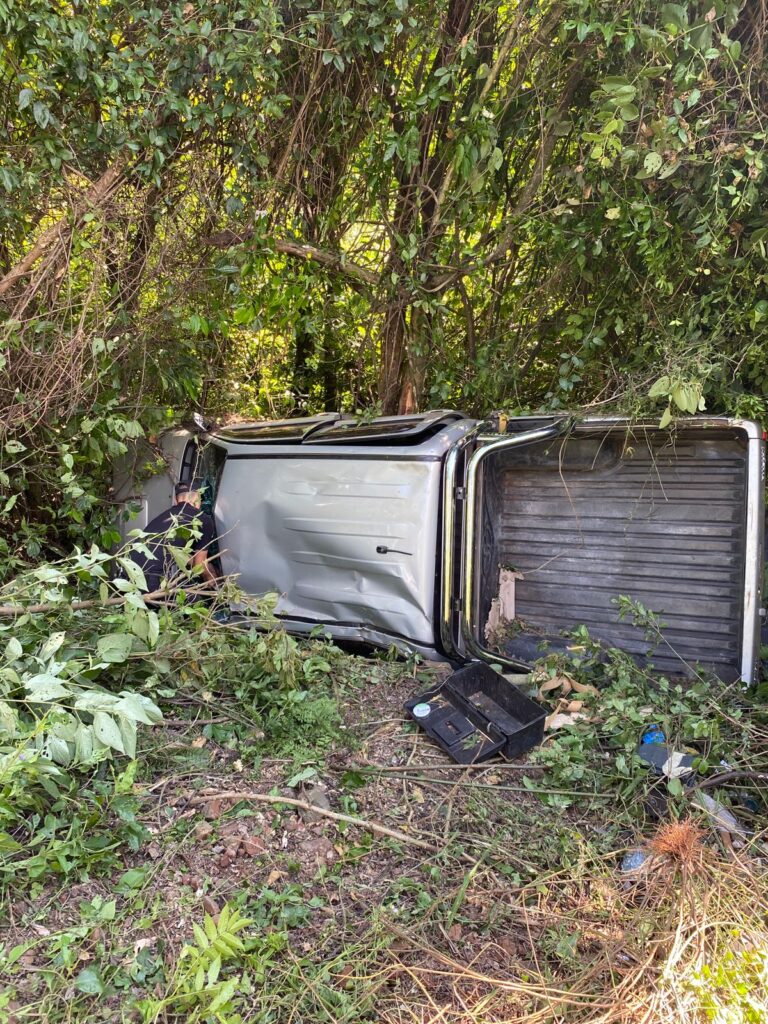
point(681, 841)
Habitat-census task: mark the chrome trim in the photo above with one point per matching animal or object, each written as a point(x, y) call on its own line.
point(753, 555)
point(448, 543)
point(468, 583)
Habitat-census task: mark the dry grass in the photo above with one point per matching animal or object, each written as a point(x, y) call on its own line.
point(681, 841)
point(686, 942)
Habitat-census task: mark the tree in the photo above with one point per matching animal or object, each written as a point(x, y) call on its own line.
point(261, 208)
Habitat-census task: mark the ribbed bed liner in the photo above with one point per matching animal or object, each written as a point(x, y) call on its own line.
point(586, 519)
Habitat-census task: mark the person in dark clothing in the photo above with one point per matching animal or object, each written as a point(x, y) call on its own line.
point(183, 525)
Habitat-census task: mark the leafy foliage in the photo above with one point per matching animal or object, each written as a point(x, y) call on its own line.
point(599, 754)
point(241, 206)
point(86, 664)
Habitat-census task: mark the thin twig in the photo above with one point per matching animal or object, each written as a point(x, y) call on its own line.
point(305, 805)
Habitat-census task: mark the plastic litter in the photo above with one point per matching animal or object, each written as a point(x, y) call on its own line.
point(653, 734)
point(720, 815)
point(666, 761)
point(477, 713)
point(634, 860)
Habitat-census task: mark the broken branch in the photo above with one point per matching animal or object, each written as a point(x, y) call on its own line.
point(305, 805)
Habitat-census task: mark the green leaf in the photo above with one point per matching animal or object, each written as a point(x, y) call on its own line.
point(652, 162)
point(51, 645)
point(25, 98)
point(679, 398)
point(90, 981)
point(670, 169)
point(674, 16)
point(58, 750)
point(134, 573)
point(41, 114)
point(45, 687)
point(225, 993)
point(9, 722)
point(114, 648)
point(84, 745)
point(180, 556)
point(13, 650)
point(128, 735)
point(302, 776)
point(8, 845)
point(675, 787)
point(138, 707)
point(660, 388)
point(666, 418)
point(107, 731)
point(132, 879)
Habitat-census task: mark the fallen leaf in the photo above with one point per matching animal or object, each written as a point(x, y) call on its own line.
point(584, 688)
point(454, 932)
point(211, 906)
point(564, 683)
point(253, 846)
point(418, 795)
point(213, 809)
point(198, 742)
point(40, 929)
point(573, 705)
point(561, 719)
point(507, 943)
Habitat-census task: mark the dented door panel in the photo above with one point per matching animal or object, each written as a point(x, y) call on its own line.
point(349, 540)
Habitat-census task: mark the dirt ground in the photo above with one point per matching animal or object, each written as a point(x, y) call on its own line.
point(441, 905)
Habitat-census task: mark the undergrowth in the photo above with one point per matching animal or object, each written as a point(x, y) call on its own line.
point(542, 925)
point(86, 664)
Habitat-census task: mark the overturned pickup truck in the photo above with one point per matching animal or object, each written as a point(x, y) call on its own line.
point(461, 539)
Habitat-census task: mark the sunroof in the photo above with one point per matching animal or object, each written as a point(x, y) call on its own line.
point(384, 429)
point(276, 431)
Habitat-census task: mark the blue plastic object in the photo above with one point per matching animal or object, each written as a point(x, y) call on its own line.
point(634, 860)
point(653, 734)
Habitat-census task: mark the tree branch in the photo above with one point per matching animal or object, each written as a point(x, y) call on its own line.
point(94, 196)
point(297, 250)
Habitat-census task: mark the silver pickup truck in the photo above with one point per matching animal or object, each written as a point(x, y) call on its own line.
point(462, 539)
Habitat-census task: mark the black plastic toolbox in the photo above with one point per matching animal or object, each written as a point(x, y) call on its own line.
point(476, 713)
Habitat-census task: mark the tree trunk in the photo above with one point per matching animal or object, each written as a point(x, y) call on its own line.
point(393, 349)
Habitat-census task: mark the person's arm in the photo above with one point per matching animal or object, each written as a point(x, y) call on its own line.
point(201, 558)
